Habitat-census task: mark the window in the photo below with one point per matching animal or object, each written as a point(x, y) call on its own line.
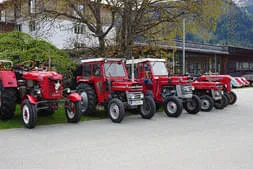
point(2, 16)
point(114, 69)
point(32, 6)
point(32, 26)
point(159, 68)
point(79, 29)
point(96, 71)
point(86, 70)
point(19, 27)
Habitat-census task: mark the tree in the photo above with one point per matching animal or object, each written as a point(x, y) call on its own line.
point(88, 12)
point(19, 47)
point(148, 18)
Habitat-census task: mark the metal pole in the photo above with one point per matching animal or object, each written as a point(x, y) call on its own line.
point(183, 46)
point(132, 67)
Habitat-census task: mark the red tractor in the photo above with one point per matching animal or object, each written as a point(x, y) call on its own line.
point(38, 90)
point(227, 86)
point(104, 82)
point(211, 95)
point(171, 93)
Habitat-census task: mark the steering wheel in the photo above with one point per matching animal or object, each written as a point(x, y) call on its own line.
point(27, 65)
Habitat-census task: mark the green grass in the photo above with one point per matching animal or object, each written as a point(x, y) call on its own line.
point(56, 118)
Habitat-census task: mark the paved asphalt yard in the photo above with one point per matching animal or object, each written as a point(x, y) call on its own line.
point(215, 140)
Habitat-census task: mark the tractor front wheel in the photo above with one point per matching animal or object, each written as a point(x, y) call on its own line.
point(116, 110)
point(227, 99)
point(73, 111)
point(148, 109)
point(207, 103)
point(233, 97)
point(193, 106)
point(220, 104)
point(29, 114)
point(172, 106)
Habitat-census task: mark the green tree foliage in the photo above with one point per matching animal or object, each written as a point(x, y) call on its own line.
point(19, 47)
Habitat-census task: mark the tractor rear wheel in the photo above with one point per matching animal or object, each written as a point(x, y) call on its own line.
point(116, 110)
point(73, 111)
point(193, 106)
point(148, 109)
point(7, 102)
point(29, 114)
point(207, 103)
point(89, 99)
point(220, 104)
point(233, 97)
point(172, 106)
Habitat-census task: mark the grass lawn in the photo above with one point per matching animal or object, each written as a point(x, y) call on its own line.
point(57, 117)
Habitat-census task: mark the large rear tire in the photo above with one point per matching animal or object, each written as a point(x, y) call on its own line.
point(148, 109)
point(89, 99)
point(73, 111)
point(233, 97)
point(193, 106)
point(7, 102)
point(172, 106)
point(207, 103)
point(29, 114)
point(116, 110)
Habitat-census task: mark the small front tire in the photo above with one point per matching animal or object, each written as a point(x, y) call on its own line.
point(172, 106)
point(73, 111)
point(29, 114)
point(148, 109)
point(233, 97)
point(207, 103)
point(193, 106)
point(116, 110)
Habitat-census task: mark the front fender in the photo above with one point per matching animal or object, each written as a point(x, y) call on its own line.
point(74, 97)
point(31, 99)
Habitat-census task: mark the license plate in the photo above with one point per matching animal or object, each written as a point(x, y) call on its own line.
point(136, 102)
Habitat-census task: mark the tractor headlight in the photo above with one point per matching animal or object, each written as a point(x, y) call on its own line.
point(131, 96)
point(38, 92)
point(142, 95)
point(193, 88)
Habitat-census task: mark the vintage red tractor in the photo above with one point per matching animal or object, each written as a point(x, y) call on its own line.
point(227, 86)
point(211, 95)
point(169, 92)
point(38, 90)
point(104, 82)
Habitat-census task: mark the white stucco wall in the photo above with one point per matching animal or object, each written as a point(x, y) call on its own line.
point(61, 33)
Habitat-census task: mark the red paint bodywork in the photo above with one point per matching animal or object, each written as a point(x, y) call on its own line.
point(118, 84)
point(74, 97)
point(224, 79)
point(8, 79)
point(46, 81)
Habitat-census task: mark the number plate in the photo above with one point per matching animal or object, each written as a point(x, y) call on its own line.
point(135, 102)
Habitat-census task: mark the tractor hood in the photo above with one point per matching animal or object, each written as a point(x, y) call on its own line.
point(207, 85)
point(179, 80)
point(41, 75)
point(126, 86)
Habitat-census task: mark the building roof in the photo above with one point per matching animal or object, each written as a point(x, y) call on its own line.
point(145, 60)
point(102, 59)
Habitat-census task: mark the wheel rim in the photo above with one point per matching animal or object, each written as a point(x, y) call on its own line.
point(84, 101)
point(114, 111)
point(205, 104)
point(26, 114)
point(172, 107)
point(71, 110)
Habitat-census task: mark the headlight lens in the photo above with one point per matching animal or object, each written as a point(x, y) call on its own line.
point(142, 95)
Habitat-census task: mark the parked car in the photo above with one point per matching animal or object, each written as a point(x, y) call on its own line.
point(234, 83)
point(245, 81)
point(249, 78)
point(239, 80)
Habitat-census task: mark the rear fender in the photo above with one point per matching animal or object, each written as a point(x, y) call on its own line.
point(31, 99)
point(74, 97)
point(8, 79)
